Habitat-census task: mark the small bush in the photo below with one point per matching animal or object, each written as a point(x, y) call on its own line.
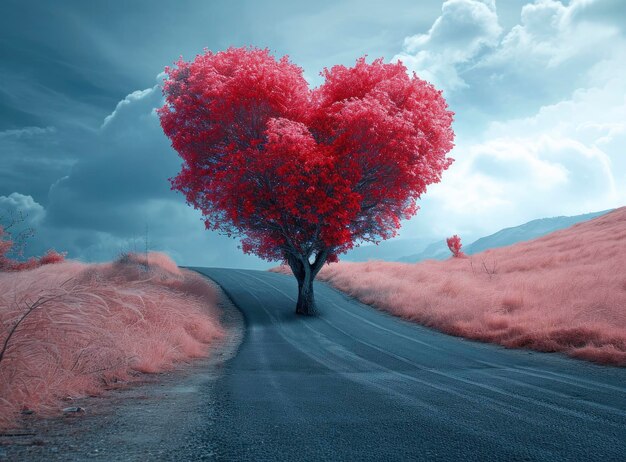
point(52, 257)
point(454, 244)
point(10, 264)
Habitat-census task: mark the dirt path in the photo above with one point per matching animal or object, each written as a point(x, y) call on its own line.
point(156, 420)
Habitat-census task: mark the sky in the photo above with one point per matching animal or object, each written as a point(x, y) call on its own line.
point(538, 89)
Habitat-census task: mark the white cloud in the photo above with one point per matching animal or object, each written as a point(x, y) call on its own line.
point(17, 205)
point(103, 205)
point(26, 132)
point(464, 29)
point(556, 48)
point(127, 103)
point(563, 157)
point(567, 159)
point(541, 110)
point(549, 35)
point(508, 181)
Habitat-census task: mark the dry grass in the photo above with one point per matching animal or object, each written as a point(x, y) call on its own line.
point(85, 328)
point(563, 292)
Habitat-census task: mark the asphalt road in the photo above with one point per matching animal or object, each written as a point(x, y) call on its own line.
point(356, 384)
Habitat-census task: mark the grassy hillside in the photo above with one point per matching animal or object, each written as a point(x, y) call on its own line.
point(507, 236)
point(72, 329)
point(562, 292)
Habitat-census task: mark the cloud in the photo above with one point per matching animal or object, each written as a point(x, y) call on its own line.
point(566, 160)
point(129, 162)
point(545, 174)
point(553, 50)
point(561, 150)
point(610, 12)
point(31, 160)
point(21, 206)
point(26, 132)
point(116, 195)
point(591, 122)
point(558, 155)
point(538, 94)
point(510, 180)
point(127, 103)
point(462, 32)
point(552, 36)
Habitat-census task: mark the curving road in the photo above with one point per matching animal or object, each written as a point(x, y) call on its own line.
point(357, 384)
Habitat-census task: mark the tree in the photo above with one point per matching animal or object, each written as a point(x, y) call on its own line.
point(300, 175)
point(454, 244)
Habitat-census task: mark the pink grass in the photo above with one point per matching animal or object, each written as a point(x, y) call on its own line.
point(563, 292)
point(110, 323)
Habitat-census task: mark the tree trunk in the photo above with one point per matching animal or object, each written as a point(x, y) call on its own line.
point(305, 273)
point(306, 297)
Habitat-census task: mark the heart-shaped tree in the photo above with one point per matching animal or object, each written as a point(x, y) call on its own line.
point(301, 175)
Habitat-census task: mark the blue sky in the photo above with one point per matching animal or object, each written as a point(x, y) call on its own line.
point(538, 88)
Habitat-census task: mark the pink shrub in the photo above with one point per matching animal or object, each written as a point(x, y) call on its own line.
point(155, 260)
point(6, 244)
point(563, 292)
point(9, 264)
point(52, 257)
point(14, 265)
point(454, 244)
point(100, 326)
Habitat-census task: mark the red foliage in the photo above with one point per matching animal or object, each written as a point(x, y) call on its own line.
point(454, 244)
point(294, 169)
point(52, 257)
point(301, 173)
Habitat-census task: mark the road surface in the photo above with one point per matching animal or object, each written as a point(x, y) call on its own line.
point(357, 384)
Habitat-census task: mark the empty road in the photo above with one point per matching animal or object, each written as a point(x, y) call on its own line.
point(356, 384)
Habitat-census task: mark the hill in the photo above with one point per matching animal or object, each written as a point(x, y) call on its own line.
point(565, 291)
point(507, 236)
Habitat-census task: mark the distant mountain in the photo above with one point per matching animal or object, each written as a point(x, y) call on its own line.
point(386, 250)
point(505, 237)
point(435, 251)
point(527, 231)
